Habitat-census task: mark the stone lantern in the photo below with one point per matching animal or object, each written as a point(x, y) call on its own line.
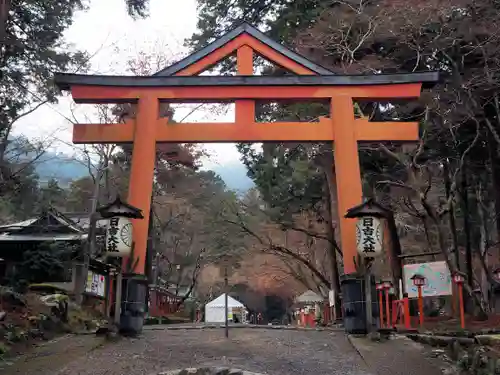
point(419, 281)
point(459, 279)
point(131, 289)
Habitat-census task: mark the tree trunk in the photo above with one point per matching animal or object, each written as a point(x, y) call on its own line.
point(464, 192)
point(479, 302)
point(484, 281)
point(453, 227)
point(89, 247)
point(487, 281)
point(332, 251)
point(495, 174)
point(4, 14)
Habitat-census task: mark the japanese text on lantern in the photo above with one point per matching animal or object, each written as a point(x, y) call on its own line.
point(119, 237)
point(369, 235)
point(112, 238)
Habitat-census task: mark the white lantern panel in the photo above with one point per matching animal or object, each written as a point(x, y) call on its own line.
point(369, 236)
point(119, 237)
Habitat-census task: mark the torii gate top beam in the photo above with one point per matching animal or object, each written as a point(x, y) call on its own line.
point(66, 80)
point(114, 89)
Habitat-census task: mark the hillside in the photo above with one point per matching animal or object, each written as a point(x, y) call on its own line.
point(66, 169)
point(61, 167)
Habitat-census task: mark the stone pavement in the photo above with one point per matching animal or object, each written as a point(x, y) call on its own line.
point(398, 356)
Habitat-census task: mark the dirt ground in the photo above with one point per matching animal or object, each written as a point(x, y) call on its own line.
point(265, 351)
point(451, 324)
point(49, 357)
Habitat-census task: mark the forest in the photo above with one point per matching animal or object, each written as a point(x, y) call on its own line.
point(280, 238)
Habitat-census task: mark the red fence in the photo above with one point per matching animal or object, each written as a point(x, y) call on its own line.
point(162, 303)
point(401, 313)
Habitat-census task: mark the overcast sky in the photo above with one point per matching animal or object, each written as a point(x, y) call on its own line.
point(112, 38)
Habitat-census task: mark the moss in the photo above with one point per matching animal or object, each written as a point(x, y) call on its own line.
point(4, 349)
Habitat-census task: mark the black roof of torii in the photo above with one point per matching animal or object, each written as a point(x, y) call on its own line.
point(244, 28)
point(166, 77)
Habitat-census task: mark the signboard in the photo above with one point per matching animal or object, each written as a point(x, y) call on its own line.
point(118, 237)
point(96, 284)
point(369, 236)
point(437, 275)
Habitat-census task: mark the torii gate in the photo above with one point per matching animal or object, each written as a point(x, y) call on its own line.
point(180, 82)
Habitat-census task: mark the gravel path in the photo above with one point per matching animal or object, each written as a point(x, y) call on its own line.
point(273, 352)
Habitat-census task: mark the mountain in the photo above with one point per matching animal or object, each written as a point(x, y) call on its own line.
point(235, 176)
point(61, 167)
point(66, 169)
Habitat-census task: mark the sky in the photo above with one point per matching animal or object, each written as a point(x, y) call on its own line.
point(112, 38)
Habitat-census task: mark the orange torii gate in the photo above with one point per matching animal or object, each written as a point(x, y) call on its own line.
point(180, 82)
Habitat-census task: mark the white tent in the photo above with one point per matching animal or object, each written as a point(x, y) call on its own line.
point(214, 310)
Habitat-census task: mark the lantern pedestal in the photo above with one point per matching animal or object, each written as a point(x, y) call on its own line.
point(353, 304)
point(133, 303)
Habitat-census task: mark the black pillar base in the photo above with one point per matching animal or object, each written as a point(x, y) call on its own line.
point(133, 304)
point(353, 303)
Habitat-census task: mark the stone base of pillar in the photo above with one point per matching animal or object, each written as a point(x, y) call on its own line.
point(133, 304)
point(353, 304)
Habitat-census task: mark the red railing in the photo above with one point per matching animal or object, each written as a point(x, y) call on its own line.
point(401, 313)
point(163, 303)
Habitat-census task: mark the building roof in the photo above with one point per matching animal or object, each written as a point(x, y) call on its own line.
point(242, 29)
point(368, 207)
point(50, 225)
point(83, 220)
point(309, 297)
point(121, 207)
point(220, 302)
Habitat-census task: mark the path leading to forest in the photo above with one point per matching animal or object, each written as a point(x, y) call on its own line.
point(268, 351)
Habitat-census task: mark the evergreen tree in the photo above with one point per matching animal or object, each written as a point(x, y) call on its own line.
point(280, 18)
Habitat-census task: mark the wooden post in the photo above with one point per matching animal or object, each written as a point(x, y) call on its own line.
point(368, 296)
point(387, 307)
point(108, 294)
point(349, 191)
point(420, 306)
point(118, 297)
point(461, 305)
point(244, 109)
point(142, 173)
point(406, 310)
point(381, 308)
point(226, 291)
